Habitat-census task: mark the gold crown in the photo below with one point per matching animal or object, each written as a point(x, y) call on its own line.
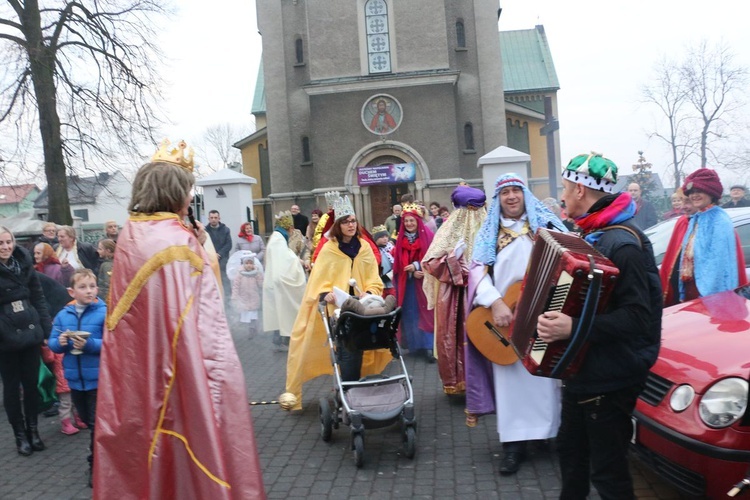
point(412, 208)
point(379, 229)
point(181, 156)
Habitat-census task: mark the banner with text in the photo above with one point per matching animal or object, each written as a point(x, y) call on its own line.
point(386, 174)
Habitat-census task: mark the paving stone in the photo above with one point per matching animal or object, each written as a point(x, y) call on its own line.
point(452, 460)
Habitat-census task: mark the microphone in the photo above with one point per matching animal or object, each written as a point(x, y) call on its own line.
point(191, 218)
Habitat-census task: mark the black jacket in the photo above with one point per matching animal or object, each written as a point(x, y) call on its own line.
point(88, 256)
point(22, 304)
point(624, 341)
point(300, 222)
point(221, 237)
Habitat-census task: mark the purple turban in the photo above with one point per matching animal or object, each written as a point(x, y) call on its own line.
point(466, 196)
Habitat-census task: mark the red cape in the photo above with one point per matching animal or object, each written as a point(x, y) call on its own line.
point(172, 419)
point(426, 317)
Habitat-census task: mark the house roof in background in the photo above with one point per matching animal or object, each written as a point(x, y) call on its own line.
point(527, 61)
point(15, 194)
point(81, 190)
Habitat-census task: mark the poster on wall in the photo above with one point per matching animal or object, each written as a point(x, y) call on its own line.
point(386, 174)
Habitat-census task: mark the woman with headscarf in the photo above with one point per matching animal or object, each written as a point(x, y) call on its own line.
point(417, 323)
point(446, 266)
point(704, 254)
point(48, 263)
point(248, 240)
point(344, 255)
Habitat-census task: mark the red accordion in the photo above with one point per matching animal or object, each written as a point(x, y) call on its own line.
point(568, 275)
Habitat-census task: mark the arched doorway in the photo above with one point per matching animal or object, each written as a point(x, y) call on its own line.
point(384, 196)
point(373, 200)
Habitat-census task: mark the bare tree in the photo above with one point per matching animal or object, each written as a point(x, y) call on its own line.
point(218, 140)
point(699, 97)
point(85, 72)
point(714, 83)
point(669, 93)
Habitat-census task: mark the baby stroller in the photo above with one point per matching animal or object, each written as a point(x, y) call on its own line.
point(374, 401)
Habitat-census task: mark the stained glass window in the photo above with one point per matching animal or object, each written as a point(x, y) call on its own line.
point(378, 40)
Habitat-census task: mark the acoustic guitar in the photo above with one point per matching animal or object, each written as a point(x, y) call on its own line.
point(492, 341)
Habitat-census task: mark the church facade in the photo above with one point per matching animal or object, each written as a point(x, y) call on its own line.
point(377, 98)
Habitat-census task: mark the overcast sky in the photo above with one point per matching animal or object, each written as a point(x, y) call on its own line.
point(604, 52)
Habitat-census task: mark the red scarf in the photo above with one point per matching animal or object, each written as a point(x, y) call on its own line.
point(248, 237)
point(39, 266)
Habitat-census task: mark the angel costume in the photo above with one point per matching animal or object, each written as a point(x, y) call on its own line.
point(283, 284)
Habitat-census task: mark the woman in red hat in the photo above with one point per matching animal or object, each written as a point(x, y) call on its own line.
point(704, 255)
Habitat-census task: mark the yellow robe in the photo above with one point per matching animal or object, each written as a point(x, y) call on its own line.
point(318, 231)
point(309, 354)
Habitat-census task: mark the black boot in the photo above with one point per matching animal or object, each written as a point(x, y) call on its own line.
point(22, 442)
point(32, 432)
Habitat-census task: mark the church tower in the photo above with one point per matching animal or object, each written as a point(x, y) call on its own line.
point(379, 98)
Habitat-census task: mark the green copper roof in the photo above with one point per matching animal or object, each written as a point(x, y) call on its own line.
point(259, 99)
point(527, 61)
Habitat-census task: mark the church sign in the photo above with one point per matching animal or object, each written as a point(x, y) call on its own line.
point(386, 174)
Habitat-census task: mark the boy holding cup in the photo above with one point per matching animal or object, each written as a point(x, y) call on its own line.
point(77, 332)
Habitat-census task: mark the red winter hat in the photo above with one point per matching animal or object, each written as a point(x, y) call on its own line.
point(706, 180)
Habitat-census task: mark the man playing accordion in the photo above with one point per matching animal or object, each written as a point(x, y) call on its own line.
point(623, 343)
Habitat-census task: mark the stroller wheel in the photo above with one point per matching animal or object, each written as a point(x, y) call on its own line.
point(326, 419)
point(410, 442)
point(358, 445)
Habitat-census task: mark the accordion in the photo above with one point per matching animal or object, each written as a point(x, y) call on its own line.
point(568, 275)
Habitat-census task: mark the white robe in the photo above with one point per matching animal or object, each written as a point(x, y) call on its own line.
point(283, 286)
point(527, 407)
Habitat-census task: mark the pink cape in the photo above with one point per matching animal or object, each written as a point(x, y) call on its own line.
point(172, 419)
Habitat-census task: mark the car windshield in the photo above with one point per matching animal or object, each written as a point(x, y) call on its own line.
point(659, 236)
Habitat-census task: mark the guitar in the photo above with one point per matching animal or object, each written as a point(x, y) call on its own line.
point(492, 341)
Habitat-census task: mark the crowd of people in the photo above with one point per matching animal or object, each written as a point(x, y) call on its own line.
point(142, 298)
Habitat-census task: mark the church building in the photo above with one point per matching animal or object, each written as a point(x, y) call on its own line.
point(377, 98)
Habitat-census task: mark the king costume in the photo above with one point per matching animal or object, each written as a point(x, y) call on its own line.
point(446, 267)
point(527, 407)
point(173, 419)
point(309, 355)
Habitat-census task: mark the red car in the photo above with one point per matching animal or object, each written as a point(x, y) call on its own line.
point(691, 424)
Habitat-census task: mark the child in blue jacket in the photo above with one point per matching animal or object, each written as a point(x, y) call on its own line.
point(86, 313)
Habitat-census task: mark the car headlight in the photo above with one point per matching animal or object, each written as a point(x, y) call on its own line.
point(724, 403)
point(681, 398)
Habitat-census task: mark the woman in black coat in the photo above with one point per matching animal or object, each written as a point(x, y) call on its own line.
point(24, 324)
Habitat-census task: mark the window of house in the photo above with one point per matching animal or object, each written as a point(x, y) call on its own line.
point(460, 35)
point(83, 213)
point(306, 150)
point(378, 38)
point(299, 52)
point(469, 136)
